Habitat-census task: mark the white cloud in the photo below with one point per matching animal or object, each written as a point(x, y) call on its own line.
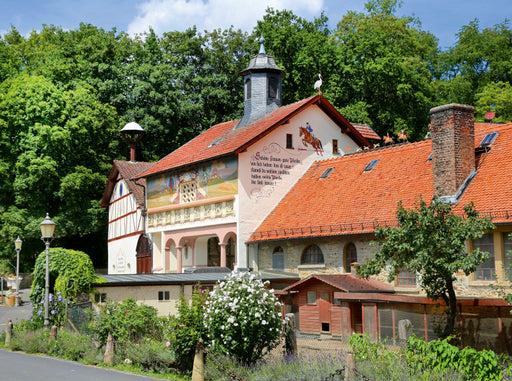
point(170, 15)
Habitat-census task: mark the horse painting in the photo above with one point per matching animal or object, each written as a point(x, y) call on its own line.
point(309, 138)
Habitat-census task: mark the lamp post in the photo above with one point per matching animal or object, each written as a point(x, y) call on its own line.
point(17, 246)
point(47, 229)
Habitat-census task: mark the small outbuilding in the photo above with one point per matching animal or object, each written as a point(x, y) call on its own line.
point(317, 310)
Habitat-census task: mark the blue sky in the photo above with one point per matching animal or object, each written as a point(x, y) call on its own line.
point(443, 18)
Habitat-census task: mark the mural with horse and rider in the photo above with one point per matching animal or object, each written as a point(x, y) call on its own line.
point(306, 133)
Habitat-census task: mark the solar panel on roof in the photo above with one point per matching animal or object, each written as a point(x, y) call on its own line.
point(489, 139)
point(371, 165)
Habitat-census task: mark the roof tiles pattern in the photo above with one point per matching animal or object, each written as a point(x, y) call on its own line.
point(350, 201)
point(128, 170)
point(345, 283)
point(220, 140)
point(366, 131)
point(224, 139)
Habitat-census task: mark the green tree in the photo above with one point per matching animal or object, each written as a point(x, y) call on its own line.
point(56, 148)
point(430, 240)
point(497, 97)
point(479, 58)
point(302, 48)
point(383, 69)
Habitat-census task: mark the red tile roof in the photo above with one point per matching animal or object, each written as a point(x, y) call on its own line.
point(350, 201)
point(128, 171)
point(366, 131)
point(224, 139)
point(344, 282)
point(491, 190)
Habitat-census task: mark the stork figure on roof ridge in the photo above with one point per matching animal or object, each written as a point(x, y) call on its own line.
point(318, 84)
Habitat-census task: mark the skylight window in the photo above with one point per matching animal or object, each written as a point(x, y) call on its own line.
point(215, 142)
point(326, 173)
point(429, 157)
point(371, 165)
point(489, 139)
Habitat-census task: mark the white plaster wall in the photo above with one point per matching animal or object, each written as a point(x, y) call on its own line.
point(201, 251)
point(121, 256)
point(122, 222)
point(187, 256)
point(158, 252)
point(149, 295)
point(268, 170)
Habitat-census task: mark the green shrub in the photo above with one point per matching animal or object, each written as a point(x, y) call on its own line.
point(127, 321)
point(71, 273)
point(29, 341)
point(243, 317)
point(435, 360)
point(380, 363)
point(150, 356)
point(75, 347)
point(188, 327)
point(484, 365)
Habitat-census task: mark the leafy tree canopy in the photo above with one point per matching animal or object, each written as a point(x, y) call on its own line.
point(64, 96)
point(430, 240)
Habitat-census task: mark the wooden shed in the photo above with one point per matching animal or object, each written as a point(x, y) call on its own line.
point(318, 311)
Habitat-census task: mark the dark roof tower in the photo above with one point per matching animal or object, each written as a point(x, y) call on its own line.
point(262, 87)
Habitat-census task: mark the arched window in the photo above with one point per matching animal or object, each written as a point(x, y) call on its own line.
point(120, 190)
point(247, 89)
point(312, 255)
point(213, 252)
point(350, 256)
point(272, 88)
point(278, 258)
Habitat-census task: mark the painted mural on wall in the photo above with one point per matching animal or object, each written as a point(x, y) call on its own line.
point(309, 139)
point(215, 179)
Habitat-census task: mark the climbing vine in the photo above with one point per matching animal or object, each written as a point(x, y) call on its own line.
point(71, 273)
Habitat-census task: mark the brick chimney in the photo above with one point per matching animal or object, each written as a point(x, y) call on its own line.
point(453, 146)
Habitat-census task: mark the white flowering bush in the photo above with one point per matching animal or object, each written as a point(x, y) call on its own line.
point(243, 317)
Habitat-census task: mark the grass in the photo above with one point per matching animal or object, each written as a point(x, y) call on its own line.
point(135, 369)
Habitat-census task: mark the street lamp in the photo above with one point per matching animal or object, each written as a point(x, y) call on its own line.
point(17, 246)
point(47, 229)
